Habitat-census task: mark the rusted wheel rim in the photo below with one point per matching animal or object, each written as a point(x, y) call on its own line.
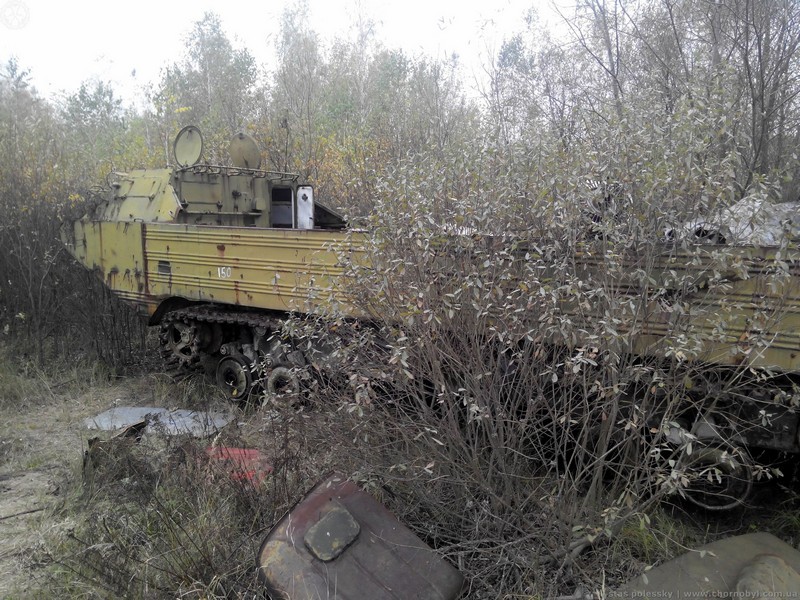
point(234, 378)
point(721, 477)
point(282, 386)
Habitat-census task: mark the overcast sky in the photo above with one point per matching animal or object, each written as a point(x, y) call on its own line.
point(66, 42)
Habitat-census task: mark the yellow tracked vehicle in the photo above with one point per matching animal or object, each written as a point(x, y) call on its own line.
point(217, 256)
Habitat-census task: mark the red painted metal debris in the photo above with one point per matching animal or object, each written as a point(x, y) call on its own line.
point(243, 464)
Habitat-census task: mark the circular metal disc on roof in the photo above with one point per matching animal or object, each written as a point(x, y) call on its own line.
point(244, 152)
point(188, 147)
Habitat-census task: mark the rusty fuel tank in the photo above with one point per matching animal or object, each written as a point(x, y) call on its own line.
point(340, 543)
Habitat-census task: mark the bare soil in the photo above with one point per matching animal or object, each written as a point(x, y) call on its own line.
point(42, 441)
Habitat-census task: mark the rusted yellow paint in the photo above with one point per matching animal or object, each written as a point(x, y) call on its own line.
point(725, 296)
point(273, 269)
point(142, 195)
point(114, 252)
point(207, 234)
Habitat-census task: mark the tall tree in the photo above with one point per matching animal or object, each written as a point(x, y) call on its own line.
point(213, 87)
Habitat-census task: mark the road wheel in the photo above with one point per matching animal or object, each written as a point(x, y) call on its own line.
point(720, 476)
point(282, 387)
point(234, 377)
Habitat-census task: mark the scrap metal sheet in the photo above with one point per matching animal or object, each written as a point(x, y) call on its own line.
point(161, 420)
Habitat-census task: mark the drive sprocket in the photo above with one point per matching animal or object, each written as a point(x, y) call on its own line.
point(181, 344)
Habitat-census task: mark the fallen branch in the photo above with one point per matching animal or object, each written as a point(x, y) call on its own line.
point(19, 514)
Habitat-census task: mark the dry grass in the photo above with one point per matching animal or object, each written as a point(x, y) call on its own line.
point(156, 519)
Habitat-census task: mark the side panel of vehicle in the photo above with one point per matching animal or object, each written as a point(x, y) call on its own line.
point(743, 303)
point(114, 252)
point(273, 269)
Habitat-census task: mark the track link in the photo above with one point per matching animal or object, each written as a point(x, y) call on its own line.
point(183, 346)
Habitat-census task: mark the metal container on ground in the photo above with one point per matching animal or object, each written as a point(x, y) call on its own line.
point(340, 543)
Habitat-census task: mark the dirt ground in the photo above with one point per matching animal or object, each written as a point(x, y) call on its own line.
point(42, 441)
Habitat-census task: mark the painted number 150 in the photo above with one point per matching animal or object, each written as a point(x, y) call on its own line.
point(224, 272)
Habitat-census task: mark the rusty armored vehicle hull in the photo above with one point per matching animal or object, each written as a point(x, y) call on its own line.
point(219, 256)
point(154, 266)
point(726, 320)
point(742, 303)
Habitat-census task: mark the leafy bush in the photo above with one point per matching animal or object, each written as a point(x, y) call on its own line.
point(537, 390)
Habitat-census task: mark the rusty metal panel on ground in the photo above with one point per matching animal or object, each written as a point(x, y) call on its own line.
point(340, 543)
point(242, 464)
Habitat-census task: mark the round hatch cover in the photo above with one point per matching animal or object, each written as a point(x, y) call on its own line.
point(188, 147)
point(244, 152)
